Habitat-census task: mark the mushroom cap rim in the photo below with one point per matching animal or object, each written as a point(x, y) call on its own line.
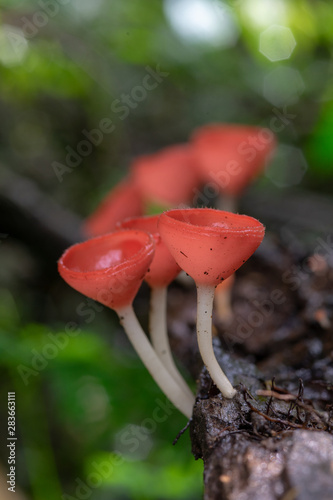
point(127, 264)
point(257, 228)
point(154, 234)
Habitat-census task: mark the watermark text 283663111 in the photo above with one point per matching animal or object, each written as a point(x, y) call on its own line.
point(11, 443)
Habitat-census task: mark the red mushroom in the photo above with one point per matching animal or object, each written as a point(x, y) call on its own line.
point(231, 156)
point(210, 245)
point(110, 269)
point(168, 177)
point(162, 271)
point(123, 201)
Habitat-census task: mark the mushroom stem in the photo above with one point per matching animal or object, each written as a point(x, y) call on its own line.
point(222, 299)
point(205, 297)
point(227, 202)
point(159, 335)
point(152, 362)
point(223, 306)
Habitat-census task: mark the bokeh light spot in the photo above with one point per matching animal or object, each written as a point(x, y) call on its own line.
point(202, 21)
point(277, 43)
point(86, 8)
point(261, 14)
point(133, 442)
point(13, 45)
point(288, 166)
point(283, 86)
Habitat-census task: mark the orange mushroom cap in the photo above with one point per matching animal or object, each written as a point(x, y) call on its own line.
point(163, 268)
point(232, 155)
point(123, 201)
point(109, 268)
point(209, 244)
point(168, 176)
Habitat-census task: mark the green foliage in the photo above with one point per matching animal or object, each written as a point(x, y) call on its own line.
point(166, 475)
point(320, 147)
point(97, 394)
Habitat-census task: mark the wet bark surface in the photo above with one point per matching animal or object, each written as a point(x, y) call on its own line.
point(274, 440)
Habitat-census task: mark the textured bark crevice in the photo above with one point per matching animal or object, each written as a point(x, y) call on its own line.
point(262, 448)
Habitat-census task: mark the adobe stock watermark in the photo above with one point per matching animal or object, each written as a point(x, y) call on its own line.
point(248, 149)
point(57, 342)
point(30, 27)
point(132, 437)
point(128, 443)
point(121, 108)
point(293, 278)
point(101, 471)
point(297, 274)
point(262, 309)
point(40, 18)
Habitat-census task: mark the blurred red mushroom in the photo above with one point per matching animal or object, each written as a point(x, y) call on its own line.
point(123, 201)
point(210, 245)
point(222, 299)
point(162, 271)
point(167, 178)
point(231, 156)
point(110, 269)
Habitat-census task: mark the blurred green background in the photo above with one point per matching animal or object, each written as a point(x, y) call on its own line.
point(66, 67)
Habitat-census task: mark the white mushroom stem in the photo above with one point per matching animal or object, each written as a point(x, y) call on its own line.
point(153, 363)
point(159, 335)
point(205, 295)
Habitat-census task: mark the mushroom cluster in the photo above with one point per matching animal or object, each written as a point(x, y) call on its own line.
point(206, 243)
point(226, 158)
point(129, 244)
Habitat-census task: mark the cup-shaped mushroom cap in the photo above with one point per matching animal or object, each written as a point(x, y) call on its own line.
point(109, 268)
point(123, 201)
point(163, 268)
point(167, 177)
point(231, 156)
point(209, 244)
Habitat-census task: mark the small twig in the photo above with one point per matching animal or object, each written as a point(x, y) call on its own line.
point(181, 432)
point(300, 390)
point(299, 398)
point(271, 419)
point(276, 395)
point(268, 407)
point(295, 403)
point(247, 392)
